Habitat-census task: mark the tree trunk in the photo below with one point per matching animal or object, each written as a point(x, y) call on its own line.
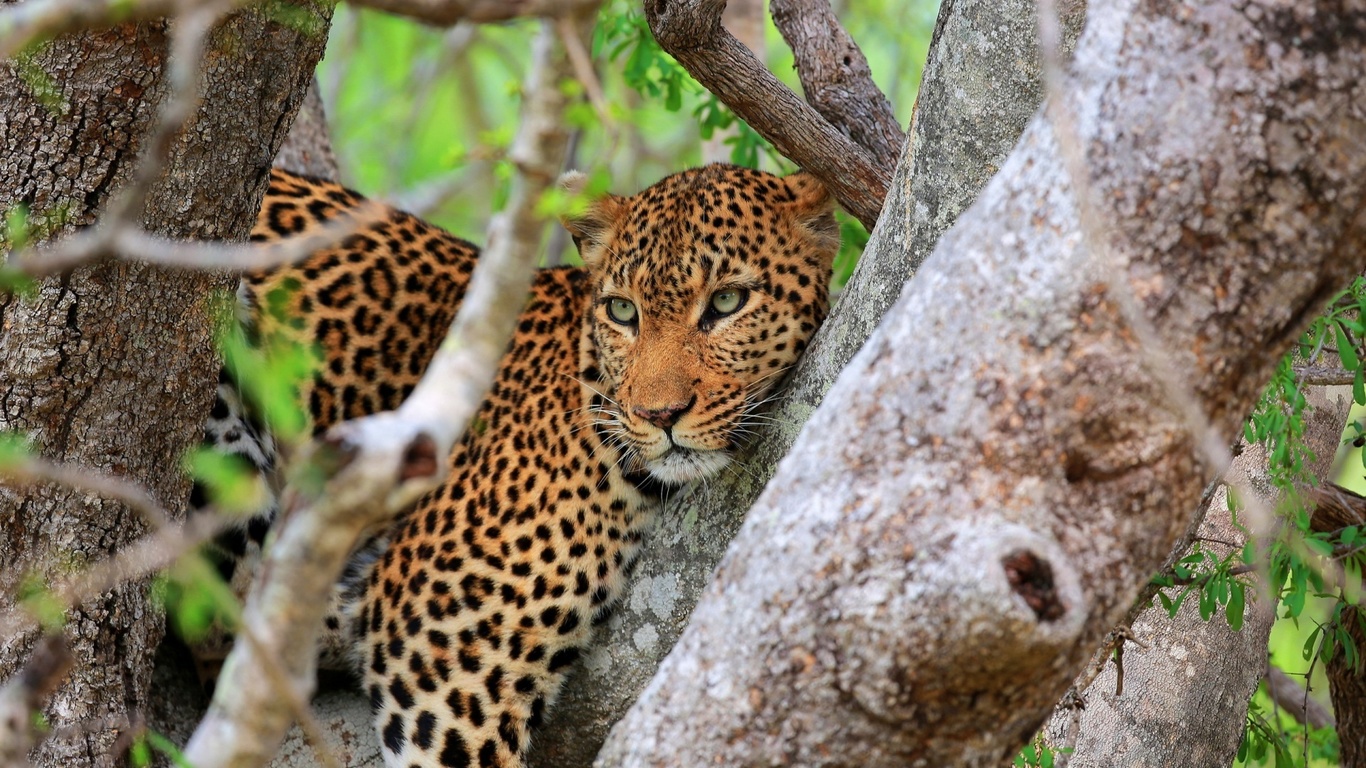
point(111, 367)
point(974, 101)
point(1187, 686)
point(1348, 689)
point(999, 470)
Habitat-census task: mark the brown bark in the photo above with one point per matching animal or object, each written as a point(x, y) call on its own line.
point(999, 470)
point(1347, 687)
point(691, 31)
point(745, 20)
point(1338, 508)
point(110, 367)
point(835, 77)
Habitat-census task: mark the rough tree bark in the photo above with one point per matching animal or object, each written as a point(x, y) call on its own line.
point(307, 150)
point(691, 31)
point(110, 367)
point(1337, 508)
point(996, 473)
point(835, 76)
point(1347, 686)
point(1187, 681)
point(175, 711)
point(980, 87)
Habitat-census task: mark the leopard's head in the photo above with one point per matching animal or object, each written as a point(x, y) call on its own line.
point(706, 289)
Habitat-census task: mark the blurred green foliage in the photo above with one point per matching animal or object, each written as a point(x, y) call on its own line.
point(409, 104)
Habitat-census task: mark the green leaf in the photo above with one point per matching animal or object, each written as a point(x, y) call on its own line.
point(1318, 546)
point(14, 449)
point(231, 480)
point(1294, 603)
point(195, 598)
point(1346, 350)
point(1207, 603)
point(1311, 643)
point(1235, 608)
point(42, 603)
point(140, 754)
point(17, 282)
point(1348, 646)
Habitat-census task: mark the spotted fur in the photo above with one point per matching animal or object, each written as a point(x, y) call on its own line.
point(468, 613)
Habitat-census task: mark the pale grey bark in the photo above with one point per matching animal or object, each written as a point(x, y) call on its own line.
point(111, 367)
point(1185, 689)
point(997, 472)
point(1185, 694)
point(974, 101)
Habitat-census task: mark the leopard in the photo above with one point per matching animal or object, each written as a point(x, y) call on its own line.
point(636, 373)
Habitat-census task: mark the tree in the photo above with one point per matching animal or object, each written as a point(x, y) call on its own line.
point(1043, 576)
point(1017, 572)
point(110, 367)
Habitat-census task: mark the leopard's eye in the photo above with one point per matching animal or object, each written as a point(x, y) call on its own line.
point(621, 311)
point(726, 302)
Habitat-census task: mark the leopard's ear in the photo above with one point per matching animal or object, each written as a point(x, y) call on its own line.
point(592, 230)
point(814, 209)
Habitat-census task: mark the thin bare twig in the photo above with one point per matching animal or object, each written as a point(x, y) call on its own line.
point(38, 470)
point(1323, 375)
point(583, 69)
point(23, 24)
point(444, 13)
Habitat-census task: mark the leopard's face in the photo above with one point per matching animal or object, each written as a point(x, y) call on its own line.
point(707, 287)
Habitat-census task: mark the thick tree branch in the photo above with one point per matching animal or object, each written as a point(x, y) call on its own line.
point(691, 30)
point(1289, 695)
point(308, 147)
point(25, 23)
point(974, 102)
point(378, 465)
point(1335, 508)
point(960, 523)
point(111, 365)
point(836, 78)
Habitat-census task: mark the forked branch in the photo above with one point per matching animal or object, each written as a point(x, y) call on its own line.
point(836, 78)
point(691, 31)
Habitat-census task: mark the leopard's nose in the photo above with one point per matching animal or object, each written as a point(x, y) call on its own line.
point(664, 417)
